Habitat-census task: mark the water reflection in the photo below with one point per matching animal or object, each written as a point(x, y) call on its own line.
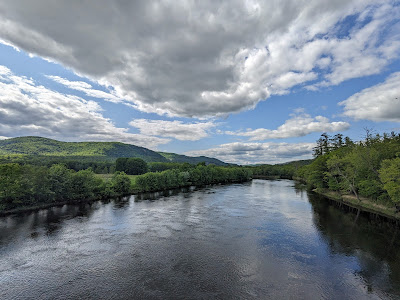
point(374, 243)
point(264, 239)
point(163, 194)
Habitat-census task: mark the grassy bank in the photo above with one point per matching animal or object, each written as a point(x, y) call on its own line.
point(366, 205)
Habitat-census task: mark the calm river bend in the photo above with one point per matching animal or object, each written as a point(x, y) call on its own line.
point(257, 240)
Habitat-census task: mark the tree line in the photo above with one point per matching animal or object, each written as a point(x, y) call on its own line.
point(198, 175)
point(27, 185)
point(98, 164)
point(23, 185)
point(368, 168)
point(283, 171)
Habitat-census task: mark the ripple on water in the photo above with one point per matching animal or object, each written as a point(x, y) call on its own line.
point(245, 241)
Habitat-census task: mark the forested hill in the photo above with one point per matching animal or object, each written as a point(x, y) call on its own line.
point(39, 146)
point(179, 158)
point(32, 145)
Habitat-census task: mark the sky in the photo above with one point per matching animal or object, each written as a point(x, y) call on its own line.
point(244, 81)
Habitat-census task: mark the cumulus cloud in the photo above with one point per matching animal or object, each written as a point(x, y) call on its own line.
point(377, 103)
point(297, 126)
point(257, 153)
point(175, 129)
point(205, 58)
point(27, 108)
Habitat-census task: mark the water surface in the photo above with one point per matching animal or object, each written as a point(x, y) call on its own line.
point(263, 239)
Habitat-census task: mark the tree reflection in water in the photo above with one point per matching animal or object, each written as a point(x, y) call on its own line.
point(372, 241)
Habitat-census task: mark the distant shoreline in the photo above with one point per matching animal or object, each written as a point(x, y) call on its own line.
point(366, 205)
point(33, 208)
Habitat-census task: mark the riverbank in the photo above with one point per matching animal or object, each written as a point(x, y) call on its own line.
point(25, 209)
point(109, 247)
point(268, 177)
point(37, 207)
point(26, 187)
point(366, 205)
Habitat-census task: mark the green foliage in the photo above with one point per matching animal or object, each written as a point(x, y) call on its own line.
point(179, 158)
point(163, 166)
point(30, 147)
point(316, 172)
point(131, 166)
point(199, 175)
point(367, 168)
point(60, 182)
point(11, 183)
point(120, 183)
point(24, 185)
point(287, 170)
point(99, 156)
point(99, 164)
point(370, 188)
point(85, 185)
point(33, 146)
point(390, 176)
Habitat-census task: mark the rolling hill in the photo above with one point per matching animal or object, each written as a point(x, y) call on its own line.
point(173, 157)
point(39, 146)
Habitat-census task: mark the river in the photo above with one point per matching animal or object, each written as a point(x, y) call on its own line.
point(266, 239)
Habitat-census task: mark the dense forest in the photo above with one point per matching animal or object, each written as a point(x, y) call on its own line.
point(367, 169)
point(284, 171)
point(34, 149)
point(27, 185)
point(24, 185)
point(199, 175)
point(39, 146)
point(179, 158)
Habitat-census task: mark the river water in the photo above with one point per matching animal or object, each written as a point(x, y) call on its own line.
point(258, 240)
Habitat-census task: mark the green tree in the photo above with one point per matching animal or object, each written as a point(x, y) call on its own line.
point(121, 184)
point(120, 164)
point(12, 189)
point(60, 182)
point(390, 176)
point(131, 165)
point(85, 185)
point(346, 170)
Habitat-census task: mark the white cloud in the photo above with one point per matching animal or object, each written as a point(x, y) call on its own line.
point(27, 108)
point(377, 103)
point(86, 88)
point(175, 129)
point(299, 125)
point(206, 58)
point(257, 153)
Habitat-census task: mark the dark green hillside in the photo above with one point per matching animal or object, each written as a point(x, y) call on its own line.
point(38, 146)
point(179, 158)
point(30, 149)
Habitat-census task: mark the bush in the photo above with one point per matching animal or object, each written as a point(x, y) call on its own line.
point(120, 183)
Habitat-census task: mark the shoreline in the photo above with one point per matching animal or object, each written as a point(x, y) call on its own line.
point(37, 207)
point(25, 209)
point(366, 205)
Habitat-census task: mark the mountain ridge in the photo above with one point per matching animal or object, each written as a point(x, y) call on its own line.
point(41, 146)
